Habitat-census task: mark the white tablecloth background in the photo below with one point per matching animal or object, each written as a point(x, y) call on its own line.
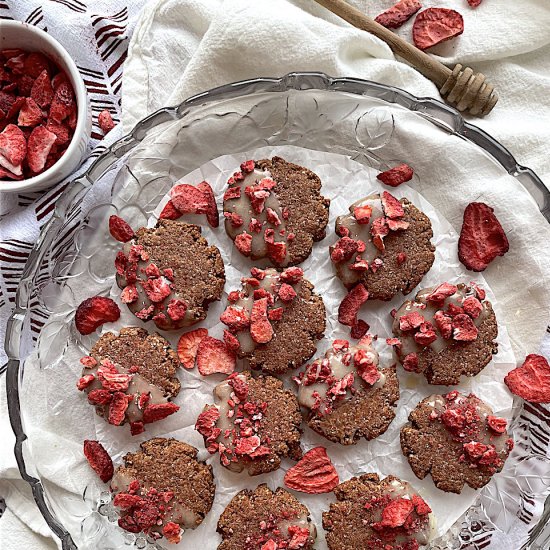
point(181, 47)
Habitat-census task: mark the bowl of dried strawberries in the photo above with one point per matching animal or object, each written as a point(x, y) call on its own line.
point(45, 121)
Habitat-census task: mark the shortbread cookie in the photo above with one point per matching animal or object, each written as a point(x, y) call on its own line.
point(446, 332)
point(254, 424)
point(275, 320)
point(266, 520)
point(377, 514)
point(457, 440)
point(273, 209)
point(170, 274)
point(162, 489)
point(348, 394)
point(131, 377)
point(384, 244)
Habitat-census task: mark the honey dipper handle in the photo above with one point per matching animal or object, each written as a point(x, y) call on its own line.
point(428, 66)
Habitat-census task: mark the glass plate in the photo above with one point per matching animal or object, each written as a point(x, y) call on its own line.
point(349, 116)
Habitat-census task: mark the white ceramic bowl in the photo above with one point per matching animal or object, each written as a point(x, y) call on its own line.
point(14, 34)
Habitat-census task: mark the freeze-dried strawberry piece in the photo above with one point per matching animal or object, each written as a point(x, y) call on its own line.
point(482, 238)
point(39, 145)
point(15, 107)
point(480, 292)
point(236, 318)
point(58, 79)
point(531, 381)
point(157, 290)
point(125, 501)
point(272, 217)
point(35, 64)
point(395, 514)
point(425, 337)
point(472, 306)
point(136, 428)
point(420, 505)
point(348, 309)
point(359, 329)
point(13, 148)
point(396, 176)
point(17, 63)
point(120, 229)
point(392, 207)
point(212, 216)
point(276, 252)
point(158, 411)
point(397, 225)
point(63, 102)
point(42, 91)
point(176, 309)
point(379, 229)
point(170, 212)
point(85, 381)
point(105, 121)
point(100, 397)
point(275, 314)
point(95, 311)
point(435, 25)
point(343, 250)
point(410, 321)
point(172, 532)
point(189, 199)
point(444, 324)
point(398, 14)
point(23, 84)
point(287, 293)
point(243, 242)
point(117, 408)
point(213, 356)
point(30, 114)
point(440, 292)
point(88, 361)
point(188, 345)
point(61, 130)
point(410, 363)
point(232, 193)
point(474, 3)
point(498, 425)
point(292, 275)
point(231, 341)
point(464, 329)
point(299, 537)
point(6, 101)
point(313, 474)
point(261, 330)
point(362, 214)
point(98, 458)
point(206, 421)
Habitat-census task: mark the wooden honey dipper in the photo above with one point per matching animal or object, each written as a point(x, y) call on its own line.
point(461, 87)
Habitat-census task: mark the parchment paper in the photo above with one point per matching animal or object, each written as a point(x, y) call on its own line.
point(344, 181)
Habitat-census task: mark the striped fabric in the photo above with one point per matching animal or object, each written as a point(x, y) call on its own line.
point(96, 33)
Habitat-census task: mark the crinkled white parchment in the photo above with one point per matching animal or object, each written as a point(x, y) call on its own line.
point(344, 181)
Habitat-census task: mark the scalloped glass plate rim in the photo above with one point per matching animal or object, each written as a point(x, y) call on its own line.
point(443, 116)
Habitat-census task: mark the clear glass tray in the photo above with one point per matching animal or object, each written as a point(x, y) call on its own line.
point(353, 117)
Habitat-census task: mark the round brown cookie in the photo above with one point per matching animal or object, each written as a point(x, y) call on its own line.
point(349, 396)
point(254, 424)
point(275, 320)
point(266, 520)
point(446, 332)
point(377, 514)
point(131, 377)
point(162, 488)
point(170, 274)
point(384, 244)
point(273, 209)
point(456, 439)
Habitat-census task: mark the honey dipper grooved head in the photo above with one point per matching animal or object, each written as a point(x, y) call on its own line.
point(468, 91)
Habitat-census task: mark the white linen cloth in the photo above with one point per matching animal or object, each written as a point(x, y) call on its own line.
point(181, 47)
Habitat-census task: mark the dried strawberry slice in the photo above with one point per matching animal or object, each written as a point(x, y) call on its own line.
point(105, 121)
point(398, 14)
point(42, 91)
point(188, 345)
point(482, 238)
point(348, 309)
point(13, 149)
point(98, 458)
point(158, 411)
point(189, 199)
point(435, 25)
point(213, 356)
point(396, 176)
point(261, 330)
point(120, 229)
point(30, 114)
point(531, 381)
point(212, 216)
point(313, 474)
point(95, 311)
point(39, 145)
point(117, 408)
point(170, 212)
